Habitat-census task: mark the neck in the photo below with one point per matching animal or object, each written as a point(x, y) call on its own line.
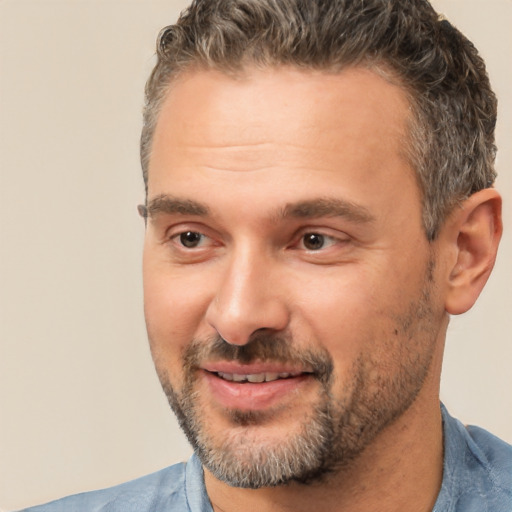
point(400, 470)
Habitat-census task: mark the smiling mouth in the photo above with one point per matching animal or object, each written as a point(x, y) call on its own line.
point(257, 377)
point(234, 387)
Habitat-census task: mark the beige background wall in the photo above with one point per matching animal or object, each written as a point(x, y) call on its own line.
point(80, 407)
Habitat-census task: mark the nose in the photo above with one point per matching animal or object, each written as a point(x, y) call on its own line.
point(249, 298)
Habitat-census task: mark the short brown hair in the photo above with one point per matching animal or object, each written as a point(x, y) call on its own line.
point(454, 109)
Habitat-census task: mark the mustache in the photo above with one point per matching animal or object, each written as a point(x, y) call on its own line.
point(264, 347)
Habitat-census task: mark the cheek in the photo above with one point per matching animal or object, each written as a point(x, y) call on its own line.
point(174, 308)
point(350, 313)
point(335, 309)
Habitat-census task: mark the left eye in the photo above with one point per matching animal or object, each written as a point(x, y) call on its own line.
point(191, 239)
point(316, 241)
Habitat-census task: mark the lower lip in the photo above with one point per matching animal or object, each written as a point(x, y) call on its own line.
point(249, 396)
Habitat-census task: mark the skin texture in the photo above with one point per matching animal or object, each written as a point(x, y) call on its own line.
point(243, 172)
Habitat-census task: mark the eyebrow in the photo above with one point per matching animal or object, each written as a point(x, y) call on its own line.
point(313, 208)
point(169, 205)
point(327, 207)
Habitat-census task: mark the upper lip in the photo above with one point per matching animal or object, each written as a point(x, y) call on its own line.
point(233, 367)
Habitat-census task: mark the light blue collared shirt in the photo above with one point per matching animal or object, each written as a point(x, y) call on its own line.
point(477, 477)
point(477, 474)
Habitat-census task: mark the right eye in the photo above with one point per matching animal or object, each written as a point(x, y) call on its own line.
point(190, 239)
point(314, 241)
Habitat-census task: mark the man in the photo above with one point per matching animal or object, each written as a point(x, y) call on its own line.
point(319, 200)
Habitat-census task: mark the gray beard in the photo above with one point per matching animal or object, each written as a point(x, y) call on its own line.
point(334, 433)
point(242, 462)
point(329, 439)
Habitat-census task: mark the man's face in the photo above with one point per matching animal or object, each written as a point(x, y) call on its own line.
point(290, 295)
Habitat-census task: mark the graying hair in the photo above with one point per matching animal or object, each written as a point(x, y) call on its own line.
point(451, 139)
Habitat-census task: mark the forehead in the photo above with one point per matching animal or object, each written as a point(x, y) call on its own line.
point(279, 105)
point(273, 127)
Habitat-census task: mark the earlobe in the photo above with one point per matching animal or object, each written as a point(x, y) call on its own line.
point(476, 233)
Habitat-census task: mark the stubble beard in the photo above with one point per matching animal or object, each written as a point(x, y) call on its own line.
point(240, 458)
point(333, 434)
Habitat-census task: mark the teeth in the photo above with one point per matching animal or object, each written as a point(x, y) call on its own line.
point(256, 377)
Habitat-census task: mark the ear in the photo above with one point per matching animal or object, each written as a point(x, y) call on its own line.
point(475, 232)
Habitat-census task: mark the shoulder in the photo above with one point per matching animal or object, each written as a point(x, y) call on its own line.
point(147, 493)
point(494, 455)
point(477, 470)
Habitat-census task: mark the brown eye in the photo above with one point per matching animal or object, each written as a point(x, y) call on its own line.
point(313, 241)
point(191, 239)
